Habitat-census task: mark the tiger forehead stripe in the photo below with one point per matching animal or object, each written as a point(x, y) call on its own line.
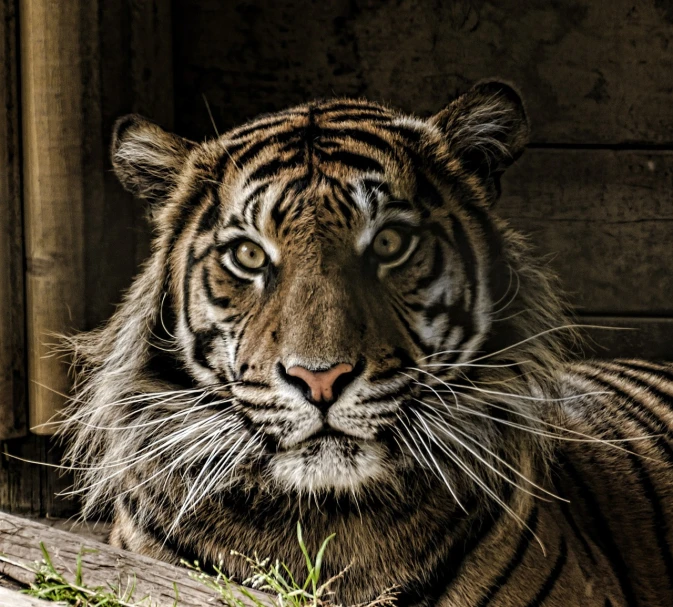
point(305, 132)
point(302, 141)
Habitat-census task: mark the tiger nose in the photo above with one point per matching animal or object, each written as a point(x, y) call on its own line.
point(324, 386)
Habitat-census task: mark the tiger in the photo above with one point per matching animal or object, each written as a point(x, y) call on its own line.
point(335, 328)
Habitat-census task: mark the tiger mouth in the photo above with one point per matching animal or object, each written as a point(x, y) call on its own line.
point(328, 431)
point(327, 438)
point(330, 442)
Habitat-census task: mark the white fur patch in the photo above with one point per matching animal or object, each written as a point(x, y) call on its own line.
point(329, 464)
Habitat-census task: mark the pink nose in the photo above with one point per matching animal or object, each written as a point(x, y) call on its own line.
point(320, 383)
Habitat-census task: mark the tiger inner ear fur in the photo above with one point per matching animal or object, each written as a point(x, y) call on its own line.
point(146, 159)
point(487, 128)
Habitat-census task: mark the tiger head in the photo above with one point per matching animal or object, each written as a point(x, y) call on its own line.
point(326, 279)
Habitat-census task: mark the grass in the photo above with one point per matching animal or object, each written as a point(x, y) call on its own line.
point(52, 585)
point(274, 578)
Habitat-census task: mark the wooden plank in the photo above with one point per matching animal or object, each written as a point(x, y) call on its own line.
point(14, 598)
point(12, 319)
point(20, 539)
point(62, 172)
point(647, 338)
point(151, 60)
point(594, 71)
point(605, 218)
point(136, 79)
point(29, 484)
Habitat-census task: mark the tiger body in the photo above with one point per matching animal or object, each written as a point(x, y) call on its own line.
point(460, 455)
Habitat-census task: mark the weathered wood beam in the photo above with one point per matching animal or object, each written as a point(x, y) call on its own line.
point(62, 173)
point(84, 235)
point(20, 542)
point(14, 598)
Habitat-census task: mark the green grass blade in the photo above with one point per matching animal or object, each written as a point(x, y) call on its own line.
point(319, 559)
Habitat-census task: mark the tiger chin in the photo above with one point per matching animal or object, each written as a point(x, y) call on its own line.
point(335, 328)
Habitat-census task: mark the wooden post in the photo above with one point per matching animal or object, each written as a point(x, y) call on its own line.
point(83, 236)
point(59, 138)
point(83, 64)
point(12, 346)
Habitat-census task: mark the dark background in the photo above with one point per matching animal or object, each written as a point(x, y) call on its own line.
point(594, 189)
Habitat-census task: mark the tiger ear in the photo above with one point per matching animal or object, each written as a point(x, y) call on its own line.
point(146, 159)
point(487, 128)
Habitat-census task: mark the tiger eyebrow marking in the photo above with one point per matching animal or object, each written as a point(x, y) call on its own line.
point(364, 197)
point(377, 185)
point(280, 209)
point(252, 200)
point(211, 216)
point(360, 116)
point(397, 205)
point(234, 222)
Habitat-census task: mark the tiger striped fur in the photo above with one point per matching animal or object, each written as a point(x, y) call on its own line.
point(464, 457)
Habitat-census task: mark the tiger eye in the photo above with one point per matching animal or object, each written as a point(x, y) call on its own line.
point(250, 255)
point(388, 243)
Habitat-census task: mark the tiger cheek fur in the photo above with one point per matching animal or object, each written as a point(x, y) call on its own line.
point(335, 328)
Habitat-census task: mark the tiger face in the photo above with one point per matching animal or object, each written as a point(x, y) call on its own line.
point(318, 258)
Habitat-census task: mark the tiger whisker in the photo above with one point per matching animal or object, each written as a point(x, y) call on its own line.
point(439, 471)
point(167, 442)
point(161, 317)
point(429, 388)
point(131, 399)
point(449, 433)
point(168, 469)
point(191, 499)
point(467, 364)
point(205, 447)
point(156, 422)
point(443, 352)
point(568, 327)
point(512, 299)
point(224, 468)
point(440, 422)
point(436, 468)
point(494, 496)
point(505, 318)
point(214, 436)
point(160, 348)
point(137, 398)
point(449, 386)
point(445, 384)
point(509, 285)
point(495, 382)
point(585, 437)
point(165, 470)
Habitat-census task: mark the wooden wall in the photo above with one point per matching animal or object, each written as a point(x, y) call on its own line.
point(68, 232)
point(594, 190)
